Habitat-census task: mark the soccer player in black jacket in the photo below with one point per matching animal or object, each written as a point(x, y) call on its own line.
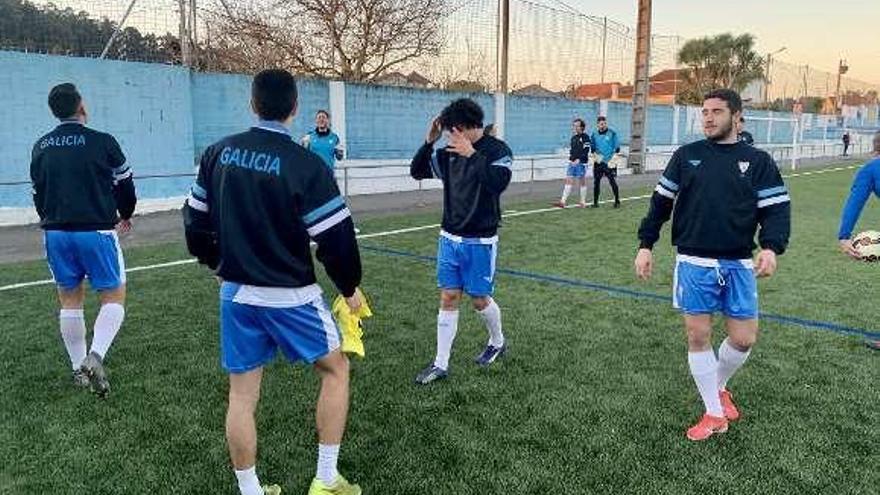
point(258, 201)
point(83, 192)
point(475, 170)
point(578, 156)
point(721, 191)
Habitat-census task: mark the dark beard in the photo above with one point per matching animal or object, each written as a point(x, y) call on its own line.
point(725, 132)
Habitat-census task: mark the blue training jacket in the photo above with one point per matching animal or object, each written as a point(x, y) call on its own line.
point(605, 143)
point(867, 181)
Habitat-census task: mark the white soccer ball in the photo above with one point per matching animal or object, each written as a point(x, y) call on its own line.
point(868, 245)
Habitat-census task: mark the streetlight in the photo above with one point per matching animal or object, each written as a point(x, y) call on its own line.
point(842, 68)
point(767, 74)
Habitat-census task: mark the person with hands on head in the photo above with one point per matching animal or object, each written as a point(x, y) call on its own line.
point(475, 169)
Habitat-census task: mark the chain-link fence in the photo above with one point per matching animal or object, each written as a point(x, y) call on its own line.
point(555, 50)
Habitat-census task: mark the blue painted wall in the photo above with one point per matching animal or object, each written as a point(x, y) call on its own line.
point(543, 125)
point(660, 127)
point(390, 122)
point(222, 106)
point(146, 106)
point(619, 115)
point(758, 128)
point(164, 116)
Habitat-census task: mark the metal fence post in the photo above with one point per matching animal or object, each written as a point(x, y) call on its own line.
point(531, 176)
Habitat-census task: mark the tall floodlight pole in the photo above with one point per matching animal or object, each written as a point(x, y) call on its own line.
point(193, 28)
point(767, 69)
point(503, 43)
point(641, 87)
point(184, 34)
point(842, 68)
point(604, 47)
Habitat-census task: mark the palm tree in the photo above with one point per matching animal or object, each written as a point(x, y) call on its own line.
point(721, 61)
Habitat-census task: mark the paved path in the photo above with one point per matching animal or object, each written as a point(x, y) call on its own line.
point(24, 243)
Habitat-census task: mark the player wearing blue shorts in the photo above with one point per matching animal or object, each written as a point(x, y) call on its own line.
point(83, 193)
point(721, 191)
point(578, 156)
point(258, 202)
point(475, 169)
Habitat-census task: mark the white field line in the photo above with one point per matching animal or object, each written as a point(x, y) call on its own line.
point(389, 233)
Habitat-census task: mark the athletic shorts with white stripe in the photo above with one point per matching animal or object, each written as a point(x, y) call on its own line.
point(704, 286)
point(467, 263)
point(74, 256)
point(257, 321)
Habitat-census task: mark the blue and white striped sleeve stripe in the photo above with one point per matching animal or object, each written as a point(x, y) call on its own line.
point(121, 173)
point(773, 196)
point(327, 216)
point(198, 198)
point(667, 188)
point(435, 165)
point(505, 161)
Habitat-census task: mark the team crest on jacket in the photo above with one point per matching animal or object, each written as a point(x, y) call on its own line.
point(695, 163)
point(743, 166)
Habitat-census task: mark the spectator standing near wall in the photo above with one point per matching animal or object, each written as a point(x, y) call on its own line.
point(606, 144)
point(324, 142)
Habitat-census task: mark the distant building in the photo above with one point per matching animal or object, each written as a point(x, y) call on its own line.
point(414, 79)
point(663, 88)
point(536, 90)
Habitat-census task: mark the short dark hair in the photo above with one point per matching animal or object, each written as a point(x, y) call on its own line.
point(274, 94)
point(487, 131)
point(64, 100)
point(601, 118)
point(734, 102)
point(581, 122)
point(464, 113)
point(325, 112)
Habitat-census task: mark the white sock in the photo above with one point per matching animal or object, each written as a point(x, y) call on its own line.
point(704, 369)
point(491, 315)
point(583, 194)
point(327, 457)
point(106, 327)
point(566, 191)
point(730, 359)
point(447, 327)
point(73, 333)
point(248, 483)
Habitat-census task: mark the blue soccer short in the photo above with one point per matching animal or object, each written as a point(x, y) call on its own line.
point(705, 286)
point(576, 171)
point(467, 264)
point(257, 321)
point(74, 256)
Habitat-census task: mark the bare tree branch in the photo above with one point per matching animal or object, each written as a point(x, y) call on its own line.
point(354, 40)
